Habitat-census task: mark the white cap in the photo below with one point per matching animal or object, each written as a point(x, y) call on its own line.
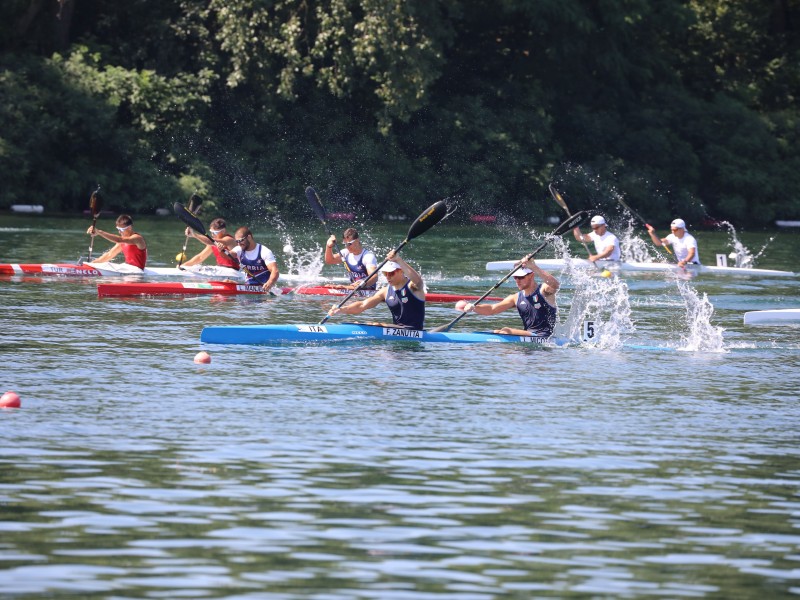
point(598, 220)
point(521, 272)
point(390, 266)
point(678, 224)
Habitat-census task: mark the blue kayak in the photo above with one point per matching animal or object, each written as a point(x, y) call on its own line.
point(293, 333)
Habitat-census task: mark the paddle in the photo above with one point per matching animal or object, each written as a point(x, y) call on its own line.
point(319, 210)
point(573, 221)
point(194, 203)
point(430, 217)
point(642, 221)
point(95, 204)
point(560, 201)
point(195, 223)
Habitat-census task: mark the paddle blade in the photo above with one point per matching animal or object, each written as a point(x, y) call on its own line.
point(558, 198)
point(316, 203)
point(194, 203)
point(432, 215)
point(184, 215)
point(95, 202)
point(573, 221)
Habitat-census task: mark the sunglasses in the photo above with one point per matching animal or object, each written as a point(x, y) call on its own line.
point(387, 273)
point(240, 241)
point(216, 231)
point(350, 242)
point(121, 229)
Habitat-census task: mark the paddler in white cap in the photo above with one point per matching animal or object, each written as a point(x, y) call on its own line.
point(535, 302)
point(405, 295)
point(683, 243)
point(606, 243)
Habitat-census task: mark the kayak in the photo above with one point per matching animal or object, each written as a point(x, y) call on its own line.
point(300, 333)
point(633, 267)
point(109, 269)
point(201, 272)
point(772, 317)
point(180, 288)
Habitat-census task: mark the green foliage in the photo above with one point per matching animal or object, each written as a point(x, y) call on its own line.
point(685, 107)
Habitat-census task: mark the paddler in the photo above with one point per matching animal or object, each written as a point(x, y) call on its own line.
point(535, 302)
point(218, 232)
point(682, 241)
point(359, 261)
point(256, 260)
point(130, 243)
point(405, 295)
point(606, 244)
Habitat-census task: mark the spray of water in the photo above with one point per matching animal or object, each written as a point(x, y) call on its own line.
point(603, 300)
point(700, 334)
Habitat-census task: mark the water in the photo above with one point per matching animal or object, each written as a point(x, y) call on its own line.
point(398, 471)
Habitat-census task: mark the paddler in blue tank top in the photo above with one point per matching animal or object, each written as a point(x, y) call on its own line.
point(536, 303)
point(256, 260)
point(405, 296)
point(359, 261)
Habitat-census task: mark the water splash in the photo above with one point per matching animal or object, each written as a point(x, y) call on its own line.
point(603, 300)
point(700, 335)
point(741, 254)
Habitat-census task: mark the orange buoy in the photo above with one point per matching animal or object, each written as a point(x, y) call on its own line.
point(10, 400)
point(202, 358)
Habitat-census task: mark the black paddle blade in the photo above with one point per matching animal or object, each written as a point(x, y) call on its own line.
point(316, 203)
point(574, 221)
point(184, 215)
point(95, 202)
point(432, 215)
point(194, 203)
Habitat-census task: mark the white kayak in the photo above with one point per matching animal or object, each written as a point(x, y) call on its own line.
point(111, 269)
point(632, 267)
point(772, 317)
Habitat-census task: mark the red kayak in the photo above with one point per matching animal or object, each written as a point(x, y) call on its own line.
point(231, 289)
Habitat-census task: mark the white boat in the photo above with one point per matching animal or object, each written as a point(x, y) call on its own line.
point(111, 269)
point(772, 317)
point(787, 223)
point(633, 267)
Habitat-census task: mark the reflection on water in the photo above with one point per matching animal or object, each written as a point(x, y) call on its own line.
point(400, 471)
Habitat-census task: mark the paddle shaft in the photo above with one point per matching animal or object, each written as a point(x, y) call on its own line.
point(574, 221)
point(316, 205)
point(430, 217)
point(195, 223)
point(194, 204)
point(643, 222)
point(363, 282)
point(94, 205)
point(562, 203)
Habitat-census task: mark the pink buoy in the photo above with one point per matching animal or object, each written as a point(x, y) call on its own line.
point(10, 400)
point(202, 358)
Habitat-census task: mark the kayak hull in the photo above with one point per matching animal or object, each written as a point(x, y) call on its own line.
point(313, 333)
point(633, 267)
point(179, 288)
point(197, 272)
point(772, 317)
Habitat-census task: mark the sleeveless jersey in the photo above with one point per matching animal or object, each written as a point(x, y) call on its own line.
point(538, 317)
point(406, 308)
point(223, 260)
point(257, 265)
point(134, 256)
point(356, 269)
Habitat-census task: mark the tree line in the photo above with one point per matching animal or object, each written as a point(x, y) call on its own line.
point(683, 107)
